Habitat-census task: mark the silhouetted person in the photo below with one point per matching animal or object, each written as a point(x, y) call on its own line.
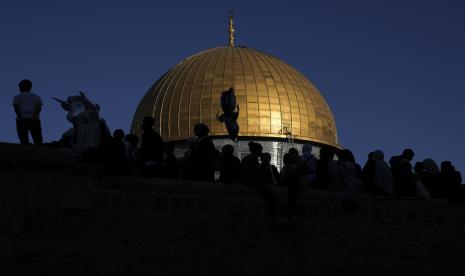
point(309, 161)
point(204, 157)
point(229, 172)
point(368, 174)
point(250, 173)
point(27, 107)
point(186, 159)
point(291, 177)
point(115, 154)
point(252, 176)
point(450, 181)
point(270, 172)
point(327, 171)
point(285, 159)
point(377, 175)
point(152, 148)
point(350, 171)
point(418, 169)
point(291, 170)
point(171, 169)
point(131, 142)
point(402, 174)
point(419, 172)
point(430, 177)
point(382, 176)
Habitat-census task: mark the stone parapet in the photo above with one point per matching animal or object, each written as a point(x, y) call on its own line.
point(57, 223)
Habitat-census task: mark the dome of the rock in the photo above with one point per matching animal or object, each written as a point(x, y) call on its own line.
point(273, 97)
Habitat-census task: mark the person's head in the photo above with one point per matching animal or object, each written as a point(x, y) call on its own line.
point(25, 85)
point(446, 166)
point(307, 149)
point(147, 123)
point(342, 155)
point(323, 153)
point(255, 148)
point(371, 155)
point(378, 155)
point(293, 151)
point(201, 130)
point(292, 156)
point(266, 158)
point(408, 154)
point(251, 145)
point(227, 150)
point(349, 155)
point(326, 153)
point(132, 139)
point(430, 166)
point(118, 134)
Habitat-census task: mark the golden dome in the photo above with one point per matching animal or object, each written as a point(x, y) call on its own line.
point(271, 95)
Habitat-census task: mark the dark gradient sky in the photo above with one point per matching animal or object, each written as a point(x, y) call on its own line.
point(392, 71)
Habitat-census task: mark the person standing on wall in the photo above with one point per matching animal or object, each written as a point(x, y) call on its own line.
point(27, 107)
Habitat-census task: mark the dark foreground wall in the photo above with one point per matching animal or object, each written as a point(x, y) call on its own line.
point(60, 218)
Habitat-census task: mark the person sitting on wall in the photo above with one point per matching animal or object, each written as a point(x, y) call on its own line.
point(430, 177)
point(114, 152)
point(382, 175)
point(327, 174)
point(152, 148)
point(402, 174)
point(229, 172)
point(293, 176)
point(185, 161)
point(368, 174)
point(204, 158)
point(131, 142)
point(309, 161)
point(419, 171)
point(27, 107)
point(450, 181)
point(270, 172)
point(171, 168)
point(350, 171)
point(252, 176)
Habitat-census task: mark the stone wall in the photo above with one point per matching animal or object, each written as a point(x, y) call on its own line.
point(60, 217)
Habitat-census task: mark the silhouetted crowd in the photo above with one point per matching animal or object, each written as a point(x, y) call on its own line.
point(150, 156)
point(333, 170)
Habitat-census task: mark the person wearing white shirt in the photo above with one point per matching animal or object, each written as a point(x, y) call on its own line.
point(27, 107)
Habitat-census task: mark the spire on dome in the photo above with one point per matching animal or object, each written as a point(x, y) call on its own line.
point(231, 28)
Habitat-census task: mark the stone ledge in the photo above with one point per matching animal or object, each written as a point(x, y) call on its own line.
point(60, 219)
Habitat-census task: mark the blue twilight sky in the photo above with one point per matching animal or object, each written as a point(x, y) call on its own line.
point(392, 71)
